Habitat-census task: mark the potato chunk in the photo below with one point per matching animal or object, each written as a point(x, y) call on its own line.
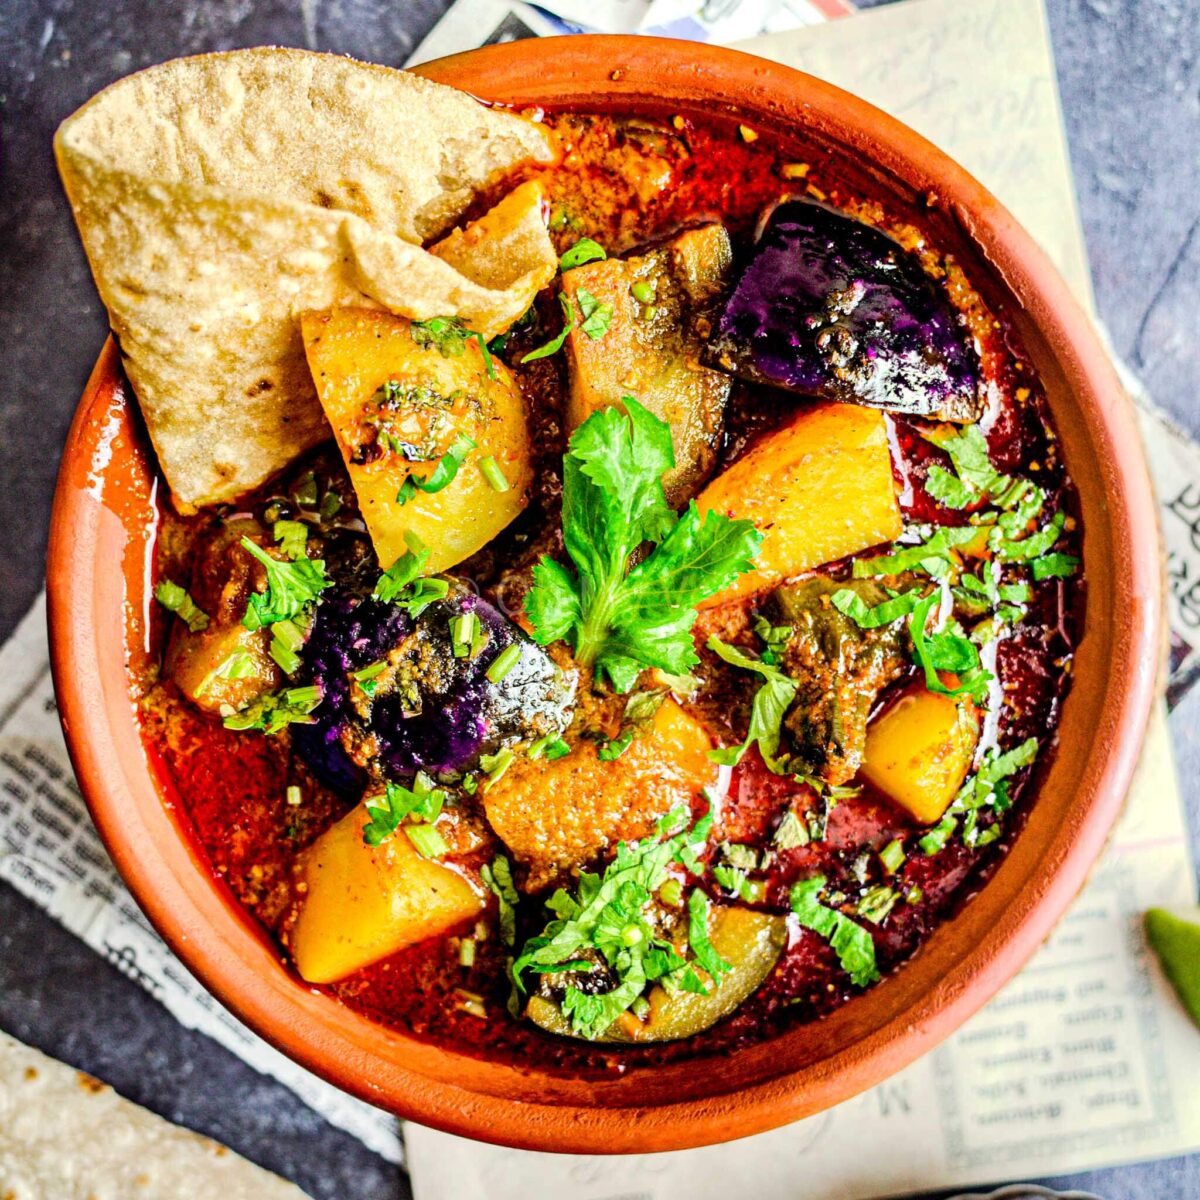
point(818, 488)
point(221, 666)
point(920, 749)
point(396, 405)
point(750, 942)
point(651, 351)
point(558, 814)
point(363, 903)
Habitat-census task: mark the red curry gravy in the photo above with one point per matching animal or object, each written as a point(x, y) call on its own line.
point(628, 182)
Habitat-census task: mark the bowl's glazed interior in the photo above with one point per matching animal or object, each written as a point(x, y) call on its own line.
point(102, 538)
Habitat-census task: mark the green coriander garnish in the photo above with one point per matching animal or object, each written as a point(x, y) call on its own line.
point(851, 942)
point(642, 291)
point(850, 603)
point(613, 749)
point(497, 876)
point(771, 702)
point(276, 710)
point(584, 251)
point(442, 475)
point(620, 619)
point(946, 650)
point(491, 471)
point(238, 665)
point(292, 537)
point(176, 599)
point(791, 833)
point(450, 336)
point(596, 315)
point(494, 765)
point(426, 840)
point(291, 587)
point(607, 928)
point(876, 903)
point(987, 789)
point(892, 856)
point(421, 802)
point(503, 663)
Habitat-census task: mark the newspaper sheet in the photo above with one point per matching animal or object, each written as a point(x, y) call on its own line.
point(471, 23)
point(1084, 1060)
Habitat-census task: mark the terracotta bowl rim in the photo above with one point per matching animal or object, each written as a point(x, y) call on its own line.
point(91, 585)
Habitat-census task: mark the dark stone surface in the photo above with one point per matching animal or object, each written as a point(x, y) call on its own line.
point(1130, 78)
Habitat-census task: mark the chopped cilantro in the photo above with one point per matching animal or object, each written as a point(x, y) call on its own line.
point(613, 749)
point(1054, 566)
point(422, 802)
point(292, 537)
point(774, 637)
point(403, 571)
point(291, 587)
point(238, 665)
point(449, 335)
point(426, 840)
point(933, 556)
point(948, 489)
point(555, 344)
point(596, 314)
point(791, 833)
point(768, 709)
point(850, 603)
point(876, 903)
point(274, 711)
point(621, 619)
point(442, 475)
point(176, 599)
point(946, 650)
point(607, 924)
point(497, 876)
point(1031, 547)
point(851, 942)
point(702, 948)
point(491, 471)
point(892, 856)
point(584, 251)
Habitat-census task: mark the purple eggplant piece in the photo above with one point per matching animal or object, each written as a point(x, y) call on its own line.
point(433, 712)
point(830, 307)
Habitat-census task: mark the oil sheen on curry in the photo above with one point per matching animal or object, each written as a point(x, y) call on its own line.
point(651, 671)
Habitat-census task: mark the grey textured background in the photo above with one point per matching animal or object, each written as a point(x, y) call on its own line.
point(1130, 80)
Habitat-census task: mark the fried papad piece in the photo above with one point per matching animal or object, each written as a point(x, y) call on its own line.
point(220, 196)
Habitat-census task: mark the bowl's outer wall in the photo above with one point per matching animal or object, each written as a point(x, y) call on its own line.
point(99, 600)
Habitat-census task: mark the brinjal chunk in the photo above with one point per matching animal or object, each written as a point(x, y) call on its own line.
point(748, 940)
point(829, 306)
point(401, 694)
point(652, 346)
point(840, 669)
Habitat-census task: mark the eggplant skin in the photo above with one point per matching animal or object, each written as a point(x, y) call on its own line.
point(429, 710)
point(828, 306)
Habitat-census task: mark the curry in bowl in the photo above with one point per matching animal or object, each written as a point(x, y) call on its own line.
point(612, 610)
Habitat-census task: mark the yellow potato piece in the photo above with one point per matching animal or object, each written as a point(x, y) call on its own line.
point(818, 488)
point(920, 749)
point(363, 903)
point(352, 353)
point(749, 941)
point(558, 814)
point(195, 664)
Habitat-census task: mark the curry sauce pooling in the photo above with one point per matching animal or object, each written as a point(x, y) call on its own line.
point(669, 862)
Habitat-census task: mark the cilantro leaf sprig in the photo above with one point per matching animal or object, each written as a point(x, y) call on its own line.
point(291, 587)
point(946, 650)
point(621, 619)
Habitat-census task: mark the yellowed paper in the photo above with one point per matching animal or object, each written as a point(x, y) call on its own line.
point(1086, 1059)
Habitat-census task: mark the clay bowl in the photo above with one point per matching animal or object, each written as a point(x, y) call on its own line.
point(103, 532)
